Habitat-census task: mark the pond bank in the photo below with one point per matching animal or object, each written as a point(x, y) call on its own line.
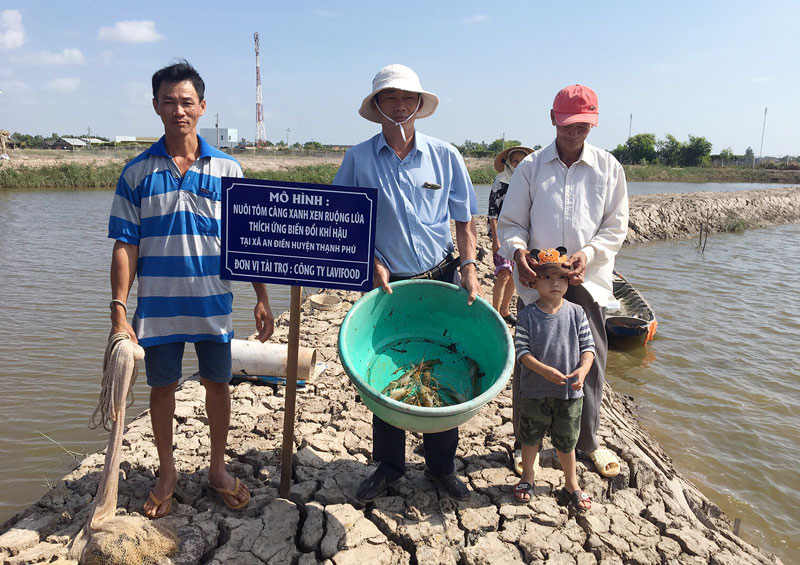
point(673, 215)
point(648, 514)
point(100, 168)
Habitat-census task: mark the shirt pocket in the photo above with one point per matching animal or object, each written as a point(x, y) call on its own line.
point(207, 226)
point(591, 204)
point(202, 208)
point(428, 204)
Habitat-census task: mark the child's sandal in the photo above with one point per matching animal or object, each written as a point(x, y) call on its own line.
point(578, 499)
point(521, 489)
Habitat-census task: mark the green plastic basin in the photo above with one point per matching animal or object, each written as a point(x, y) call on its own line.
point(424, 320)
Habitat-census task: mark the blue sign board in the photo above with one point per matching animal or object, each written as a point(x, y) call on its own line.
point(298, 234)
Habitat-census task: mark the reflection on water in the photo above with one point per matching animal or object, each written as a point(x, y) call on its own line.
point(628, 360)
point(722, 394)
point(719, 387)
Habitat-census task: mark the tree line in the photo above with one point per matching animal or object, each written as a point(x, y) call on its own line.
point(483, 149)
point(644, 149)
point(640, 149)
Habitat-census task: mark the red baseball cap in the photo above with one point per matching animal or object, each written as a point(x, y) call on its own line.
point(575, 104)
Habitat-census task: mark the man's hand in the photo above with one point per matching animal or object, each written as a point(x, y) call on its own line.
point(265, 321)
point(524, 261)
point(469, 281)
point(119, 324)
point(495, 245)
point(381, 277)
point(577, 264)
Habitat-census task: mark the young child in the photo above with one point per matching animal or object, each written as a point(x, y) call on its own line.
point(503, 291)
point(555, 348)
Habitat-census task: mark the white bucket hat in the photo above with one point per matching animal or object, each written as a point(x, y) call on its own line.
point(401, 78)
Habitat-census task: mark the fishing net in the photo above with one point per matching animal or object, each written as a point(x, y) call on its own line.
point(106, 538)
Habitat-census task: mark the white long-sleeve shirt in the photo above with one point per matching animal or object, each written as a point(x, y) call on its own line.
point(583, 207)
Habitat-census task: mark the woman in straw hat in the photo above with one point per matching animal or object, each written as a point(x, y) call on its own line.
point(503, 291)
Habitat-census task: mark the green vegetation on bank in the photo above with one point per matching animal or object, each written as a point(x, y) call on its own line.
point(83, 175)
point(314, 174)
point(644, 173)
point(68, 175)
point(74, 175)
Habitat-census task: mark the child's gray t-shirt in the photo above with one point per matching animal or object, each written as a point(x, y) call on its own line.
point(557, 340)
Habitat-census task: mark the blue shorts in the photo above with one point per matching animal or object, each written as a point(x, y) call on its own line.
point(163, 362)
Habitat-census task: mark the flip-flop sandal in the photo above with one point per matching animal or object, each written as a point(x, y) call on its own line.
point(605, 461)
point(522, 488)
point(575, 498)
point(232, 493)
point(518, 463)
point(166, 500)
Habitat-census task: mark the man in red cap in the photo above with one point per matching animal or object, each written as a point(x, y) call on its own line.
point(574, 195)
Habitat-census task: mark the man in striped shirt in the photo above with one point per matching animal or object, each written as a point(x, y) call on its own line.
point(165, 219)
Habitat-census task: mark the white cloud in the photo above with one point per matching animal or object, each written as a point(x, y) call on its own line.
point(131, 31)
point(14, 86)
point(67, 84)
point(12, 34)
point(477, 19)
point(326, 14)
point(66, 57)
point(762, 79)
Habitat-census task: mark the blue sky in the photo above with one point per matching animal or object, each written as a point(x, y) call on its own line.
point(700, 68)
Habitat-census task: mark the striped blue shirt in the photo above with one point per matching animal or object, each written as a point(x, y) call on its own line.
point(557, 340)
point(175, 221)
point(413, 223)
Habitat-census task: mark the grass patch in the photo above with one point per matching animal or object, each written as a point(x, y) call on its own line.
point(483, 175)
point(735, 224)
point(323, 174)
point(313, 174)
point(660, 173)
point(68, 175)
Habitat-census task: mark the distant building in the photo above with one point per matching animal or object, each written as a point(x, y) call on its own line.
point(68, 143)
point(131, 140)
point(228, 137)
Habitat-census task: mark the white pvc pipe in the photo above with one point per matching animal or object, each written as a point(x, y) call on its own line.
point(253, 358)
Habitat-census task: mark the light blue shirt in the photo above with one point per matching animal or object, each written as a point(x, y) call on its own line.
point(413, 223)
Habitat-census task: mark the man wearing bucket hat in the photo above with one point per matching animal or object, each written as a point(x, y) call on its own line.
point(422, 184)
point(577, 194)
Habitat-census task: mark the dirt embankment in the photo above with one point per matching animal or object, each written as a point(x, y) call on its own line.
point(673, 215)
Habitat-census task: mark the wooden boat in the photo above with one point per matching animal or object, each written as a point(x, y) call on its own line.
point(629, 318)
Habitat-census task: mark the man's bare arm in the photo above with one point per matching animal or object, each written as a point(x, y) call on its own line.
point(123, 272)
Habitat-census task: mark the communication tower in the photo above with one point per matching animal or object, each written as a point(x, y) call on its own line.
point(261, 130)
